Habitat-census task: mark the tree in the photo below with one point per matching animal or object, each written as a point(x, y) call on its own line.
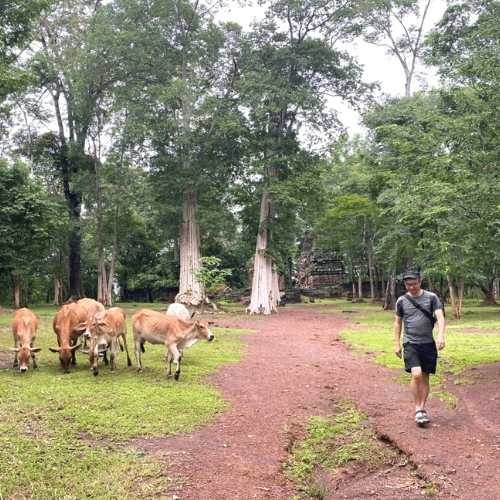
point(71, 66)
point(391, 25)
point(289, 69)
point(186, 113)
point(345, 227)
point(29, 222)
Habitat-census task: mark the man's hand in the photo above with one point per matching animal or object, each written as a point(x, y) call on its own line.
point(440, 343)
point(397, 350)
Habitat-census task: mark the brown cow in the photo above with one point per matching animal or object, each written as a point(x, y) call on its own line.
point(92, 307)
point(105, 331)
point(24, 326)
point(69, 323)
point(174, 333)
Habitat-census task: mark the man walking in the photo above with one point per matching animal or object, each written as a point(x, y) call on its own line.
point(418, 309)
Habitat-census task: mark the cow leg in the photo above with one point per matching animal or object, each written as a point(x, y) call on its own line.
point(16, 361)
point(168, 359)
point(176, 355)
point(137, 351)
point(94, 357)
point(33, 357)
point(129, 363)
point(73, 352)
point(112, 356)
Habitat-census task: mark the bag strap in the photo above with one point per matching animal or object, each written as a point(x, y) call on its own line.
point(428, 314)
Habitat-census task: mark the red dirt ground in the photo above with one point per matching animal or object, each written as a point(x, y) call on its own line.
point(295, 367)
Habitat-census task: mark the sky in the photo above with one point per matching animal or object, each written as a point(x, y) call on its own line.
point(377, 64)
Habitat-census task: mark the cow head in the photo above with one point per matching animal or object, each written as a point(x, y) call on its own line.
point(65, 355)
point(100, 326)
point(203, 330)
point(23, 356)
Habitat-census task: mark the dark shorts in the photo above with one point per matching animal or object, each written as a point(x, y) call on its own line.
point(423, 355)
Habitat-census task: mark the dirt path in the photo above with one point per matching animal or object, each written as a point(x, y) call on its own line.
point(296, 367)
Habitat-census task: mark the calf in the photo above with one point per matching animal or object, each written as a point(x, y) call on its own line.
point(174, 333)
point(179, 311)
point(69, 323)
point(24, 327)
point(92, 307)
point(105, 331)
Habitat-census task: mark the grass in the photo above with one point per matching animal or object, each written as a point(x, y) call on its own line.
point(65, 435)
point(331, 443)
point(471, 341)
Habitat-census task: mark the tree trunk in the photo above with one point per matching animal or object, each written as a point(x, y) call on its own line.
point(453, 297)
point(191, 292)
point(75, 239)
point(371, 273)
point(390, 292)
point(16, 290)
point(58, 292)
point(490, 294)
point(360, 285)
point(263, 300)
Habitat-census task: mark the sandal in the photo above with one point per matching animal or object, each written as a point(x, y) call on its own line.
point(421, 417)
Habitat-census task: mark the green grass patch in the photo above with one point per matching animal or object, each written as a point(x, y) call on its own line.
point(57, 427)
point(331, 443)
point(471, 341)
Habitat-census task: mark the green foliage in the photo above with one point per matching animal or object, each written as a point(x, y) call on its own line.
point(211, 276)
point(56, 426)
point(30, 221)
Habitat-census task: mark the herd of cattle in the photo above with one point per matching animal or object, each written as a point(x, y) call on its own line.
point(104, 331)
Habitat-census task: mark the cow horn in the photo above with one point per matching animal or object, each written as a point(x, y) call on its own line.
point(14, 349)
point(35, 349)
point(75, 347)
point(54, 349)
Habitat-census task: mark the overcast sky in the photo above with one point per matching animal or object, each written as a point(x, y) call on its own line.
point(378, 65)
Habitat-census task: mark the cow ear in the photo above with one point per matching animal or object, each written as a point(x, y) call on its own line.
point(53, 349)
point(36, 349)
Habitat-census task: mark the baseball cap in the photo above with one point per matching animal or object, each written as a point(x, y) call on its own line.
point(408, 275)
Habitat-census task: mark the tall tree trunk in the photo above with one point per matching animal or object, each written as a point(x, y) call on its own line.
point(390, 293)
point(75, 240)
point(453, 297)
point(16, 290)
point(111, 271)
point(262, 300)
point(58, 291)
point(360, 285)
point(371, 271)
point(191, 291)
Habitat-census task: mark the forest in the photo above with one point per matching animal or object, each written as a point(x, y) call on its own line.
point(149, 146)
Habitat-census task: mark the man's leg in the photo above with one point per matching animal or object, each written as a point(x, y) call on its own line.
point(419, 386)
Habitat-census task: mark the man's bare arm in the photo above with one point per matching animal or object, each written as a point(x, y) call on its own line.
point(440, 341)
point(397, 335)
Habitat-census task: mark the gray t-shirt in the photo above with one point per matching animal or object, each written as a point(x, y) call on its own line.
point(418, 327)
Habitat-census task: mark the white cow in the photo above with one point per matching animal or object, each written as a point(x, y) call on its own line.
point(179, 311)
